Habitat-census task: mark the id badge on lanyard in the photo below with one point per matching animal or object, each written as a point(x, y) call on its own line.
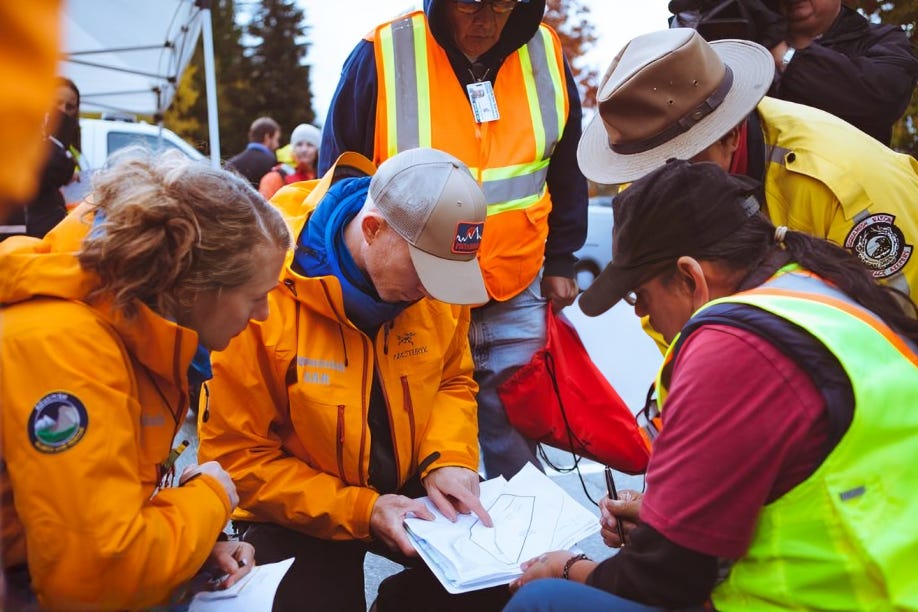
point(484, 105)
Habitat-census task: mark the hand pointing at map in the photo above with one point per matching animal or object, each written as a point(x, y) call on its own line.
point(454, 490)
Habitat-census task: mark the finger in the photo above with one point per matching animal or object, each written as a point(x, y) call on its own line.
point(188, 473)
point(610, 538)
point(403, 544)
point(473, 503)
point(243, 567)
point(245, 554)
point(442, 503)
point(420, 510)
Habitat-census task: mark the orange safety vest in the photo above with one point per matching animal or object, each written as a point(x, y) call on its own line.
point(421, 104)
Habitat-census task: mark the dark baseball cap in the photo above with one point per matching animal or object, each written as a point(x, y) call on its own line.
point(678, 209)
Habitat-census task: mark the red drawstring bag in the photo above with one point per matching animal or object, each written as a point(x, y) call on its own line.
point(560, 398)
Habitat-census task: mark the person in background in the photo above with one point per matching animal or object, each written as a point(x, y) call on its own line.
point(258, 157)
point(68, 104)
point(107, 325)
point(305, 143)
point(829, 56)
point(793, 501)
point(706, 102)
point(48, 207)
point(498, 94)
point(357, 394)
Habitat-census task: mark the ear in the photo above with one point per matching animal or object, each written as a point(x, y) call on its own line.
point(693, 274)
point(371, 225)
point(730, 140)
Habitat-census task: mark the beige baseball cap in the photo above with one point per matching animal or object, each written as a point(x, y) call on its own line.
point(431, 200)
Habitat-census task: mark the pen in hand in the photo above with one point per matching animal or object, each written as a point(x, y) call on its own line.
point(613, 494)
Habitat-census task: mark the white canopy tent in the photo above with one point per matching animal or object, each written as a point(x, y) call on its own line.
point(127, 56)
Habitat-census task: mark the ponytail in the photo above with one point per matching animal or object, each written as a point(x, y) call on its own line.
point(749, 250)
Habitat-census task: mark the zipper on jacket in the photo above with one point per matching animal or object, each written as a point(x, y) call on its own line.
point(290, 285)
point(392, 436)
point(387, 327)
point(340, 444)
point(409, 408)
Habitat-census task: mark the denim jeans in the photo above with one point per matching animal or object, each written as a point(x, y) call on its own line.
point(557, 595)
point(503, 337)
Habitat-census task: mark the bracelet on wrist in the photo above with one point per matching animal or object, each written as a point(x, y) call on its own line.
point(566, 572)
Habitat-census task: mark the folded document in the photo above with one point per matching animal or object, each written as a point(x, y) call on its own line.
point(531, 515)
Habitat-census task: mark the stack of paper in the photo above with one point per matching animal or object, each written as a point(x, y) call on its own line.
point(254, 593)
point(531, 515)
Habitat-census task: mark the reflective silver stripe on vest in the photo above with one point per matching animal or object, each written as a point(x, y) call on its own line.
point(530, 182)
point(515, 188)
point(406, 85)
point(545, 88)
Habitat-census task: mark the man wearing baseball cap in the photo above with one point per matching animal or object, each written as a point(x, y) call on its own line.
point(356, 395)
point(671, 94)
point(777, 481)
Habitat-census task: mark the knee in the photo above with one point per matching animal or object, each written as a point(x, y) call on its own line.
point(538, 596)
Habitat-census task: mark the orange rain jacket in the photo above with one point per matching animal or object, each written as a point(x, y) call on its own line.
point(287, 412)
point(84, 519)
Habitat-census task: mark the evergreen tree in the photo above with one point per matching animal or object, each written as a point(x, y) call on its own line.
point(281, 81)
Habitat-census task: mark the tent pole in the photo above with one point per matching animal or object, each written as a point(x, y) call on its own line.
point(213, 125)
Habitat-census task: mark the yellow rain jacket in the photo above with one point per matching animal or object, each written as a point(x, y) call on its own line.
point(91, 402)
point(287, 409)
point(827, 179)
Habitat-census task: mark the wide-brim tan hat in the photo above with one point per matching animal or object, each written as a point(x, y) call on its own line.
point(670, 94)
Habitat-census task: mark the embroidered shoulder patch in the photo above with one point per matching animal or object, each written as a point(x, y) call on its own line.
point(879, 244)
point(57, 422)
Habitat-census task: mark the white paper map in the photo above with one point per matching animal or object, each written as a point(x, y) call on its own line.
point(531, 515)
point(254, 593)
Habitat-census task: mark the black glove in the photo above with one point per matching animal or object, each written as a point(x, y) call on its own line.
point(769, 26)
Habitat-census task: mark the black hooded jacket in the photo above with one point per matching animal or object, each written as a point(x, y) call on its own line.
point(860, 71)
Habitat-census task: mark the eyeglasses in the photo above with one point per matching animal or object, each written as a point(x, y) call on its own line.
point(630, 298)
point(498, 6)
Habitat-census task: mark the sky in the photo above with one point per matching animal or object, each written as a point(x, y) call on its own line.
point(337, 26)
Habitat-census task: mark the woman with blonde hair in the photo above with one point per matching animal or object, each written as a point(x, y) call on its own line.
point(107, 324)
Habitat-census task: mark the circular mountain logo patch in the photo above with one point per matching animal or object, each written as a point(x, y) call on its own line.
point(57, 422)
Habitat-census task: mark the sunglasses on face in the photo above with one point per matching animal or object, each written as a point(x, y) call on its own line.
point(498, 6)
